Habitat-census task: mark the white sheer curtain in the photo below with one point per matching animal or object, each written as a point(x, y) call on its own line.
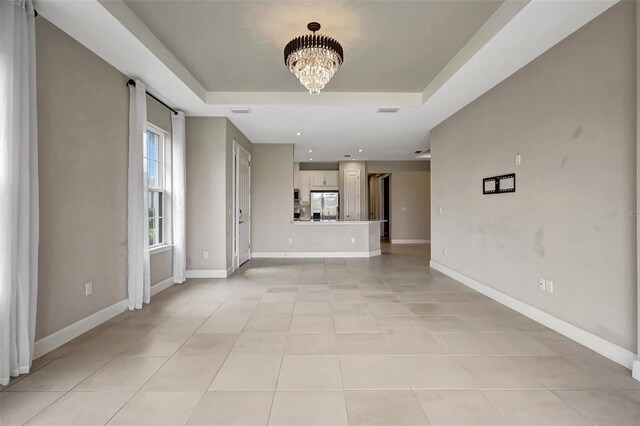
point(18, 187)
point(178, 198)
point(139, 282)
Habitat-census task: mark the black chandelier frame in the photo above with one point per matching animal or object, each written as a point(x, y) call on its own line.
point(311, 41)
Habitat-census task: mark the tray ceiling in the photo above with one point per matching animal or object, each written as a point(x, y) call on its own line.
point(390, 46)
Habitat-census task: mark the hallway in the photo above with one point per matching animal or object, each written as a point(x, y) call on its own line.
point(384, 340)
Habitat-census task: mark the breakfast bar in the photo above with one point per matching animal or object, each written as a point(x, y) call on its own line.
point(330, 239)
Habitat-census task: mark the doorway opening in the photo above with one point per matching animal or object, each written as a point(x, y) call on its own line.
point(380, 202)
point(241, 205)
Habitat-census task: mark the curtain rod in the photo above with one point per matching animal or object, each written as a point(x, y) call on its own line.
point(133, 83)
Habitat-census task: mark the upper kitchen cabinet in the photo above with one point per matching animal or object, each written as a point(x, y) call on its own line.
point(332, 179)
point(324, 179)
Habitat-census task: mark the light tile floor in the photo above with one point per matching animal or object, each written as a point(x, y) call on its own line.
point(380, 341)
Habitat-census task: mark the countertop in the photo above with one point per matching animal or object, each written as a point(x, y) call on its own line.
point(335, 222)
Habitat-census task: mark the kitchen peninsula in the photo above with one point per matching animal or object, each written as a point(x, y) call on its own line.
point(338, 238)
point(328, 229)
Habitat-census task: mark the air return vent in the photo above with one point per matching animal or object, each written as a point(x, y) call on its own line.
point(240, 110)
point(388, 110)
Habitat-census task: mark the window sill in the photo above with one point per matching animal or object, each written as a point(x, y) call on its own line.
point(160, 249)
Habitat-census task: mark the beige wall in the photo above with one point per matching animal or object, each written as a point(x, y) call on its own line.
point(638, 177)
point(209, 191)
point(83, 155)
point(271, 196)
point(83, 114)
point(205, 196)
point(158, 114)
point(161, 266)
point(571, 114)
point(409, 187)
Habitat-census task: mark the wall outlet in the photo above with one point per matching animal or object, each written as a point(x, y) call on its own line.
point(445, 251)
point(542, 284)
point(518, 160)
point(205, 254)
point(440, 210)
point(290, 240)
point(88, 289)
point(353, 241)
point(549, 286)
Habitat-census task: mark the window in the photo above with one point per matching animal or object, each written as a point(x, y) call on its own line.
point(156, 166)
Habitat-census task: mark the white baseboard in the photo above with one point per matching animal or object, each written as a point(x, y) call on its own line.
point(70, 332)
point(162, 285)
point(605, 348)
point(635, 371)
point(410, 241)
point(208, 273)
point(301, 254)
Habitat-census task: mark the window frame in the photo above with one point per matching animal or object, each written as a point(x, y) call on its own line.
point(164, 176)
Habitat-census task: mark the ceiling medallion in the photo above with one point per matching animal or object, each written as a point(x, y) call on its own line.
point(313, 58)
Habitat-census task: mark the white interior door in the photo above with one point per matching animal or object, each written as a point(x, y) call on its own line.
point(242, 205)
point(352, 194)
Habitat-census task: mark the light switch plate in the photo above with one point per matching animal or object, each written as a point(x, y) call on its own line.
point(549, 286)
point(542, 284)
point(205, 254)
point(88, 289)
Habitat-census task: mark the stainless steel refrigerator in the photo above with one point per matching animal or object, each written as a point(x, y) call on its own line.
point(325, 205)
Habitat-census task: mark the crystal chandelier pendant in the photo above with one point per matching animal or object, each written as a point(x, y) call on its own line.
point(313, 58)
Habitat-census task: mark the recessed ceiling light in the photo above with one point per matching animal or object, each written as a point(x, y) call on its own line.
point(310, 150)
point(240, 110)
point(360, 150)
point(298, 134)
point(388, 110)
point(310, 159)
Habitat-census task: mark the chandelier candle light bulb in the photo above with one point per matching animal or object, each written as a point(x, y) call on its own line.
point(313, 58)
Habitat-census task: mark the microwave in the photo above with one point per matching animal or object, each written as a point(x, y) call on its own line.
point(296, 195)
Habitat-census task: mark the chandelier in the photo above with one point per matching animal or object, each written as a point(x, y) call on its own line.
point(313, 58)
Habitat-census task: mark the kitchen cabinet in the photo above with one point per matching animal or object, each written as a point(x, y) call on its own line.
point(331, 179)
point(324, 179)
point(304, 180)
point(317, 179)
